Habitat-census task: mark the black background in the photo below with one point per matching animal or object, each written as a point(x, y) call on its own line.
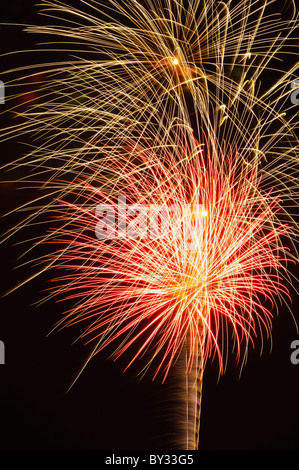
point(107, 409)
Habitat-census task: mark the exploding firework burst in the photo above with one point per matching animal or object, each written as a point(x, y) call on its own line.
point(168, 172)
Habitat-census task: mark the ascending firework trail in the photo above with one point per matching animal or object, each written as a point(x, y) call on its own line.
point(170, 171)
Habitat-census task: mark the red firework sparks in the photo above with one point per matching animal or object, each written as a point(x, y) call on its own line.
point(142, 275)
point(169, 170)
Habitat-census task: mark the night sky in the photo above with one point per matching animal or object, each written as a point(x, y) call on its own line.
point(107, 409)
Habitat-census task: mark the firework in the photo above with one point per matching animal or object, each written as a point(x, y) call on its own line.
point(167, 174)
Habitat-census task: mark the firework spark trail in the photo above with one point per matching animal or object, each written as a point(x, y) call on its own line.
point(148, 294)
point(160, 106)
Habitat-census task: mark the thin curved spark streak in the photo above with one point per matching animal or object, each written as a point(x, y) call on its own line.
point(170, 171)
